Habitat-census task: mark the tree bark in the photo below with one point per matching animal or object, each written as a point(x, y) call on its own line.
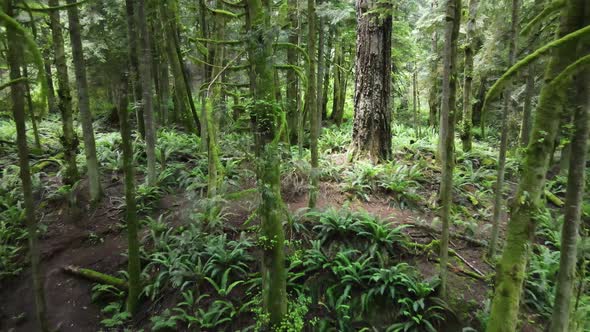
point(31, 107)
point(312, 102)
point(84, 102)
point(339, 89)
point(134, 63)
point(525, 128)
point(510, 271)
point(433, 98)
point(468, 77)
point(447, 131)
point(574, 198)
point(265, 119)
point(292, 79)
point(69, 139)
point(326, 80)
point(17, 94)
point(499, 188)
point(371, 133)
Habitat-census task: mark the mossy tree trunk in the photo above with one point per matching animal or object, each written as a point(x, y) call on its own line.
point(510, 271)
point(312, 103)
point(466, 136)
point(499, 188)
point(265, 117)
point(14, 56)
point(433, 96)
point(51, 103)
point(371, 133)
point(560, 319)
point(339, 81)
point(326, 81)
point(69, 138)
point(84, 102)
point(133, 262)
point(31, 108)
point(145, 76)
point(447, 131)
point(525, 128)
point(134, 63)
point(292, 92)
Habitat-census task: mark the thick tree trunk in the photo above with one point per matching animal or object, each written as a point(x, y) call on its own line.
point(573, 200)
point(292, 79)
point(69, 139)
point(468, 78)
point(510, 271)
point(447, 131)
point(134, 63)
point(145, 75)
point(312, 103)
point(499, 188)
point(265, 120)
point(371, 133)
point(17, 94)
point(84, 102)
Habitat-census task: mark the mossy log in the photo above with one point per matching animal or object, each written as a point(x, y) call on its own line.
point(96, 276)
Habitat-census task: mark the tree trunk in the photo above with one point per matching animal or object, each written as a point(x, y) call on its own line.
point(84, 102)
point(320, 65)
point(326, 81)
point(206, 73)
point(510, 271)
point(145, 76)
point(312, 103)
point(447, 131)
point(17, 94)
point(69, 139)
point(292, 79)
point(415, 101)
point(133, 265)
point(134, 62)
point(371, 133)
point(499, 188)
point(525, 129)
point(31, 107)
point(574, 199)
point(468, 78)
point(265, 119)
point(433, 99)
point(339, 90)
point(51, 103)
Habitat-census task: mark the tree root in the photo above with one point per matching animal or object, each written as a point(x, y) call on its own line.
point(96, 276)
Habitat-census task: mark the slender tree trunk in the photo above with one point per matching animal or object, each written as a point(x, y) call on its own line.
point(499, 188)
point(447, 131)
point(525, 131)
point(337, 111)
point(468, 78)
point(69, 139)
point(433, 99)
point(51, 103)
point(292, 79)
point(133, 265)
point(134, 62)
point(17, 94)
point(320, 65)
point(312, 103)
point(31, 107)
point(265, 119)
point(84, 102)
point(206, 73)
point(510, 271)
point(415, 101)
point(145, 76)
point(371, 133)
point(574, 199)
point(326, 81)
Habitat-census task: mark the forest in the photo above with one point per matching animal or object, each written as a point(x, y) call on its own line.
point(294, 165)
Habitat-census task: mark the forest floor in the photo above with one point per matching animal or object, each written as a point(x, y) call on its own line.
point(94, 237)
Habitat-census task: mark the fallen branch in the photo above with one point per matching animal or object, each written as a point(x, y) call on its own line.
point(553, 199)
point(453, 235)
point(456, 254)
point(96, 276)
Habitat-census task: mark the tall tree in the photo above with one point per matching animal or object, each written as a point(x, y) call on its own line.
point(134, 62)
point(145, 75)
point(339, 80)
point(14, 57)
point(292, 92)
point(510, 270)
point(371, 133)
point(265, 118)
point(574, 196)
point(69, 138)
point(447, 130)
point(468, 77)
point(83, 101)
point(525, 128)
point(31, 108)
point(312, 104)
point(433, 96)
point(499, 188)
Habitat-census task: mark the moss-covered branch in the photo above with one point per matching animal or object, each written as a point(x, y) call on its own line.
point(502, 81)
point(13, 82)
point(45, 9)
point(96, 276)
point(215, 41)
point(297, 47)
point(550, 9)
